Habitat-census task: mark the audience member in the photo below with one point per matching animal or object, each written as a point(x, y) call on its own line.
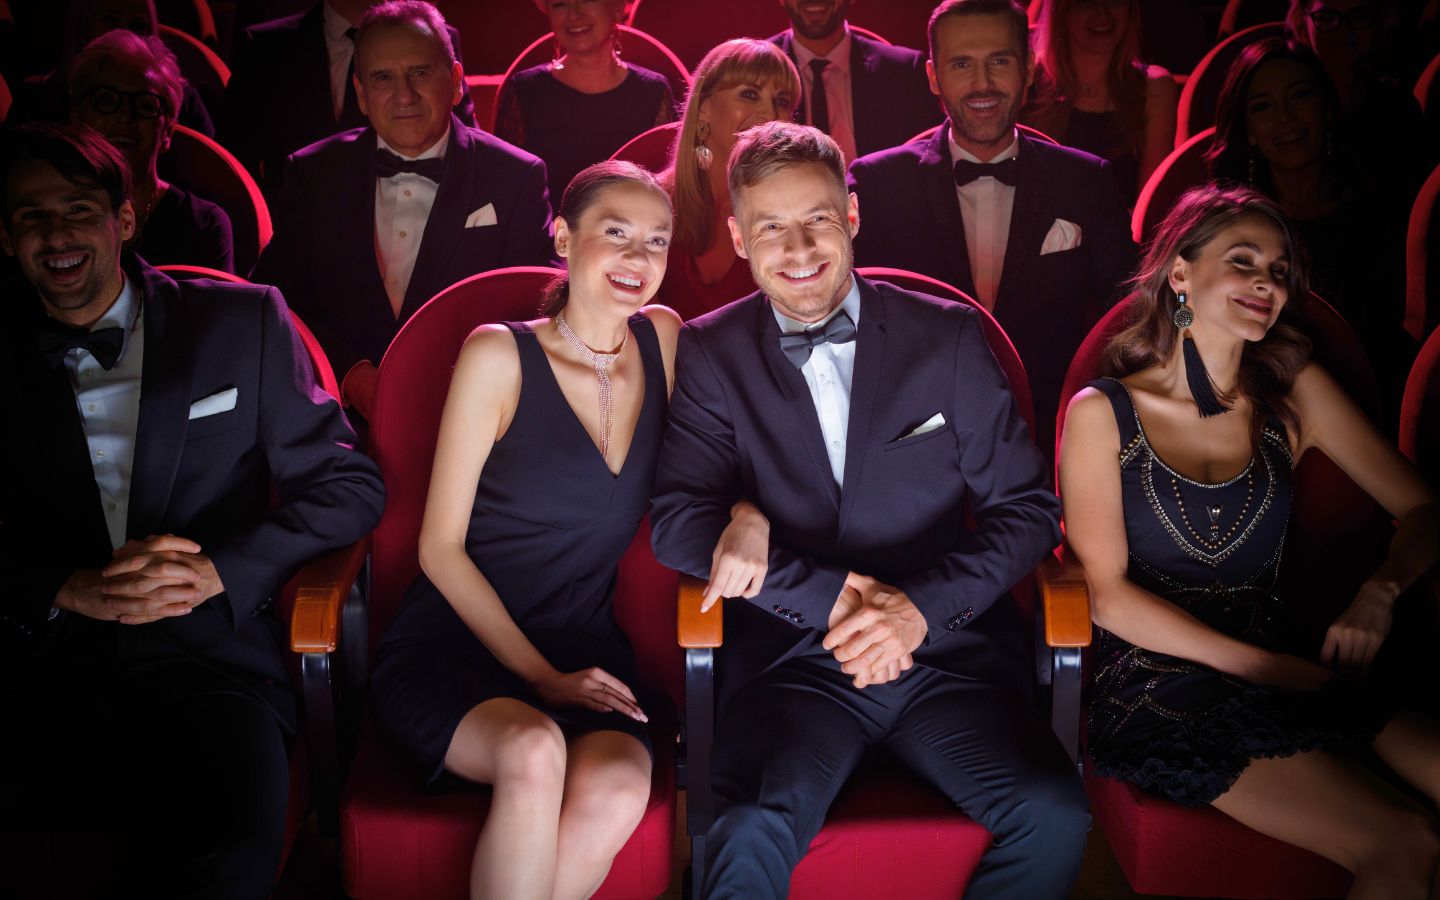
point(1035, 232)
point(941, 513)
point(739, 84)
point(505, 665)
point(127, 88)
point(875, 94)
point(588, 102)
point(182, 464)
point(292, 84)
point(379, 219)
point(1179, 511)
point(1093, 92)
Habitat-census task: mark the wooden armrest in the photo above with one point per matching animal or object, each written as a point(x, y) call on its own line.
point(1066, 601)
point(697, 629)
point(323, 586)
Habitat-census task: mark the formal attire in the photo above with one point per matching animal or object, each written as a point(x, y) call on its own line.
point(187, 230)
point(1046, 254)
point(210, 404)
point(868, 459)
point(290, 87)
point(877, 95)
point(1100, 134)
point(684, 291)
point(549, 525)
point(1175, 727)
point(356, 253)
point(571, 129)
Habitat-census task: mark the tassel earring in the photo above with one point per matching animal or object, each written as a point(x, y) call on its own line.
point(556, 63)
point(615, 47)
point(1250, 164)
point(1202, 388)
point(704, 156)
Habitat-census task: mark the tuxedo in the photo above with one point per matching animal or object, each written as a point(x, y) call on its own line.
point(743, 426)
point(1046, 301)
point(207, 690)
point(279, 100)
point(889, 92)
point(323, 255)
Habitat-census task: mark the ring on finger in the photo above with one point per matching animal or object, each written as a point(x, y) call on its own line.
point(604, 688)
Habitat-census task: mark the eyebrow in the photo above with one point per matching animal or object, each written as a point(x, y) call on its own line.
point(1254, 248)
point(621, 220)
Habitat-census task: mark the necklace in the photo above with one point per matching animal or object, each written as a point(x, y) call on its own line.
point(602, 363)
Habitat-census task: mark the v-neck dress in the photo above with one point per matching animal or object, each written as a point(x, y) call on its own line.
point(548, 527)
point(1175, 727)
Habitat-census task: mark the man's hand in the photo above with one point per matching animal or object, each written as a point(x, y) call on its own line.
point(741, 558)
point(1356, 635)
point(156, 578)
point(358, 388)
point(874, 630)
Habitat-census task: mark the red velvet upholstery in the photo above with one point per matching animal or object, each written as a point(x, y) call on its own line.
point(650, 149)
point(1420, 412)
point(198, 163)
point(1427, 87)
point(1422, 247)
point(492, 33)
point(1337, 536)
point(1196, 111)
point(1240, 14)
point(1181, 170)
point(397, 841)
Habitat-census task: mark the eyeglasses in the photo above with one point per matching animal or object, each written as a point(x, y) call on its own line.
point(144, 104)
point(1361, 18)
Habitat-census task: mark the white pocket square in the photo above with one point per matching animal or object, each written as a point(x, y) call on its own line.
point(1063, 235)
point(224, 401)
point(481, 217)
point(929, 425)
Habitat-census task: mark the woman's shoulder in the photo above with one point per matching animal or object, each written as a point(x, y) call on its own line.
point(491, 348)
point(647, 78)
point(1159, 83)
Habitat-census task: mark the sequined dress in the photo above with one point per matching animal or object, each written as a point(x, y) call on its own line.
point(1175, 727)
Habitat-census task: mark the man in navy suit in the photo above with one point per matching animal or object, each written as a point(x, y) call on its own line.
point(875, 94)
point(291, 85)
point(863, 423)
point(374, 222)
point(1035, 232)
point(142, 685)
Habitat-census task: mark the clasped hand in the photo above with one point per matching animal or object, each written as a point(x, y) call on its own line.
point(1356, 635)
point(159, 577)
point(874, 630)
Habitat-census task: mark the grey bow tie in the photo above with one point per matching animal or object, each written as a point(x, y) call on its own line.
point(798, 345)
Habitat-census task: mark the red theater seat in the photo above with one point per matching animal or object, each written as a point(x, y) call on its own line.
point(1242, 14)
point(200, 164)
point(397, 841)
point(1420, 412)
point(1422, 255)
point(1196, 111)
point(650, 149)
point(1183, 169)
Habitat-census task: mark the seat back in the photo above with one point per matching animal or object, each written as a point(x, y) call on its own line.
point(1196, 111)
point(1183, 169)
point(1242, 14)
point(1420, 412)
point(639, 48)
point(200, 65)
point(194, 17)
point(1422, 246)
point(198, 163)
point(652, 148)
point(6, 99)
point(409, 398)
point(1035, 133)
point(492, 33)
point(1427, 89)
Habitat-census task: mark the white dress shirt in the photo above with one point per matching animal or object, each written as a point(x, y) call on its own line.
point(828, 374)
point(985, 207)
point(339, 50)
point(402, 207)
point(109, 404)
point(837, 88)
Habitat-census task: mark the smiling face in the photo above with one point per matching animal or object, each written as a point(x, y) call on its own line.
point(733, 109)
point(1285, 114)
point(1238, 282)
point(1342, 47)
point(405, 86)
point(141, 140)
point(981, 71)
point(617, 250)
point(1097, 26)
point(584, 26)
point(66, 238)
point(816, 19)
point(796, 228)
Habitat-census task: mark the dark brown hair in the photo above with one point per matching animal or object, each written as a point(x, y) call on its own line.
point(79, 154)
point(1056, 85)
point(766, 150)
point(1014, 11)
point(580, 194)
point(1268, 366)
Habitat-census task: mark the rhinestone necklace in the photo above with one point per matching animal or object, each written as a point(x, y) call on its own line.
point(602, 363)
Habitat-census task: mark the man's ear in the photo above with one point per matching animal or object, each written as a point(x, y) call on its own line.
point(360, 94)
point(930, 74)
point(735, 238)
point(852, 214)
point(457, 81)
point(562, 237)
point(126, 215)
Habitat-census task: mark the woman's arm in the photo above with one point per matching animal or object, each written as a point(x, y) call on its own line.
point(1161, 97)
point(1095, 530)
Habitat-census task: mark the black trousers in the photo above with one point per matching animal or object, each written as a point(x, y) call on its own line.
point(786, 743)
point(180, 769)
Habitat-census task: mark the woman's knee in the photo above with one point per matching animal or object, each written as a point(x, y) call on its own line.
point(532, 751)
point(614, 790)
point(1408, 839)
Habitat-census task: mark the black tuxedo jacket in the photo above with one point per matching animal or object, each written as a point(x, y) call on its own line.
point(208, 479)
point(910, 219)
point(889, 92)
point(743, 426)
point(323, 254)
point(278, 97)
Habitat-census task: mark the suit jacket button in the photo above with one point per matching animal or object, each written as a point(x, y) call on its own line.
point(798, 618)
point(953, 624)
point(967, 613)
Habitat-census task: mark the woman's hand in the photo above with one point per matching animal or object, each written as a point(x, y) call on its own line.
point(592, 688)
point(1355, 637)
point(1284, 672)
point(741, 558)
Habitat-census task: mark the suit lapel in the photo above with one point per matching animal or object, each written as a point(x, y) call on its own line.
point(1027, 224)
point(446, 221)
point(164, 399)
point(864, 386)
point(365, 296)
point(938, 185)
point(863, 60)
point(797, 398)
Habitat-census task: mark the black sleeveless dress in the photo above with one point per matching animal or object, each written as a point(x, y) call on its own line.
point(1175, 727)
point(549, 524)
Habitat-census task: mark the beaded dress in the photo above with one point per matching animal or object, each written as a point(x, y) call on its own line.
point(1178, 728)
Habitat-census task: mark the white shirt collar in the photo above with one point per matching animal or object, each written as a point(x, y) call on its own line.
point(335, 24)
point(436, 150)
point(839, 55)
point(851, 306)
point(124, 311)
point(958, 152)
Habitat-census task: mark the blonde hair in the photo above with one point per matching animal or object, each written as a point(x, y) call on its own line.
point(737, 61)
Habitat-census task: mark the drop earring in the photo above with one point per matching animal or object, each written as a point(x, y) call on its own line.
point(704, 156)
point(1197, 377)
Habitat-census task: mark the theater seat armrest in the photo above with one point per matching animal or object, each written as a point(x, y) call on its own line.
point(1066, 600)
point(698, 629)
point(323, 586)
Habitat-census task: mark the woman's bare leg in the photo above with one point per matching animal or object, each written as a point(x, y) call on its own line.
point(607, 785)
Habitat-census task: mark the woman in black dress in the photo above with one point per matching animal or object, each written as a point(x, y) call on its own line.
point(1176, 501)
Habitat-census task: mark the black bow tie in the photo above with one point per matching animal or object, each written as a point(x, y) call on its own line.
point(55, 339)
point(1007, 171)
point(798, 345)
point(387, 164)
